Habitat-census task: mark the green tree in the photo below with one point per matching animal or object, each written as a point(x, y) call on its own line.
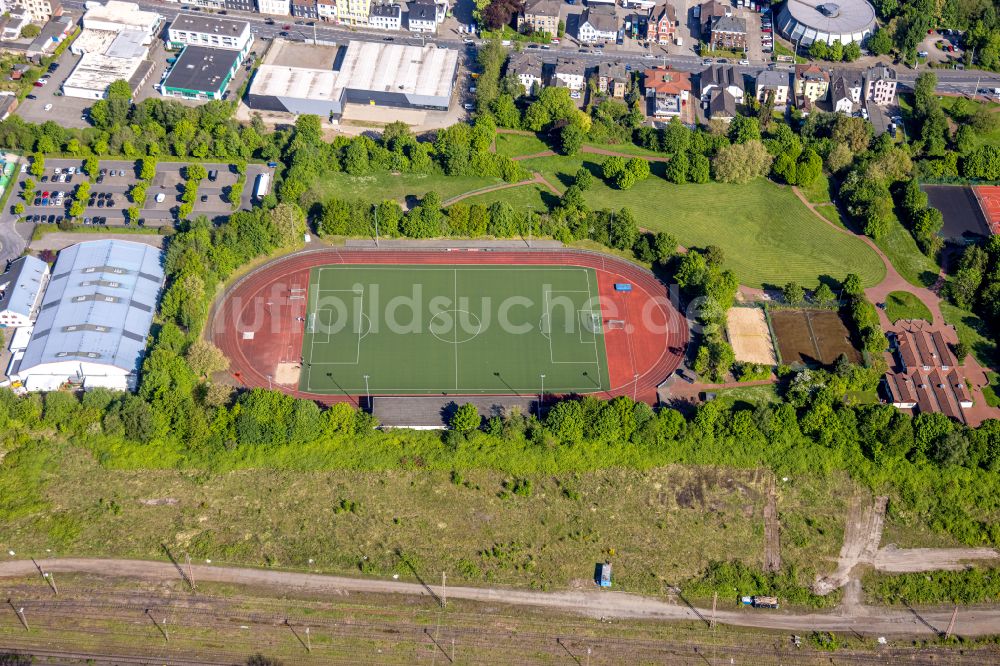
point(880, 43)
point(18, 208)
point(30, 31)
point(571, 138)
point(465, 419)
point(206, 359)
point(196, 172)
point(120, 90)
point(793, 293)
point(823, 295)
point(92, 167)
point(677, 168)
point(37, 168)
point(147, 168)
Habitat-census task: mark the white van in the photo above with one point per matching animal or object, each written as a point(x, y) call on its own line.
point(160, 197)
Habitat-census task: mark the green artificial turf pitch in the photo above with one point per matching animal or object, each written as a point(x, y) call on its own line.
point(453, 329)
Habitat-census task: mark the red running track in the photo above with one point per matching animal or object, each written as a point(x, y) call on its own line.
point(259, 321)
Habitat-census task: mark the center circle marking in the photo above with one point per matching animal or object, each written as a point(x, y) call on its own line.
point(442, 326)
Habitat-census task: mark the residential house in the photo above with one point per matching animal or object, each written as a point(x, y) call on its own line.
point(613, 79)
point(721, 105)
point(728, 33)
point(845, 92)
point(422, 16)
point(880, 84)
point(353, 12)
point(240, 5)
point(540, 16)
point(327, 9)
point(667, 90)
point(811, 84)
point(385, 16)
point(776, 82)
point(276, 7)
point(527, 67)
point(15, 22)
point(722, 76)
point(41, 10)
point(710, 11)
point(570, 74)
point(8, 104)
point(21, 288)
point(305, 9)
point(663, 23)
point(598, 23)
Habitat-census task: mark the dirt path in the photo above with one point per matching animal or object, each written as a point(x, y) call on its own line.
point(910, 560)
point(772, 529)
point(861, 539)
point(592, 150)
point(536, 178)
point(593, 603)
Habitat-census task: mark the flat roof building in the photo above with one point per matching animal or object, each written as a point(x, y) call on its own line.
point(95, 316)
point(95, 72)
point(201, 73)
point(205, 30)
point(116, 16)
point(370, 73)
point(21, 289)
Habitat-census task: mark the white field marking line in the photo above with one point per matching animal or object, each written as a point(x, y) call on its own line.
point(360, 319)
point(432, 392)
point(594, 323)
point(545, 300)
point(597, 357)
point(312, 341)
point(496, 267)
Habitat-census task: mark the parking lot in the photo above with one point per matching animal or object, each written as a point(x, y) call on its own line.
point(65, 111)
point(108, 201)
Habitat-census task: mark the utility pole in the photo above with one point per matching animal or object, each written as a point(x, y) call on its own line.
point(376, 225)
point(24, 620)
point(308, 641)
point(951, 625)
point(444, 589)
point(715, 598)
point(541, 396)
point(190, 570)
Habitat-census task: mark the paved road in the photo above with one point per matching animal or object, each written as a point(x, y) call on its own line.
point(949, 80)
point(592, 603)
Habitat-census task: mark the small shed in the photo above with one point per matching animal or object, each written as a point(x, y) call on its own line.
point(602, 576)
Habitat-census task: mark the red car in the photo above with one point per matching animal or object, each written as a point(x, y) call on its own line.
point(45, 195)
point(286, 27)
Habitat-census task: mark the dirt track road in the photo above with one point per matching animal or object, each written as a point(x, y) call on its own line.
point(593, 603)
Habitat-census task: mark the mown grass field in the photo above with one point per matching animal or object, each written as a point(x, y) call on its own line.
point(769, 237)
point(380, 186)
point(663, 525)
point(972, 331)
point(904, 305)
point(530, 196)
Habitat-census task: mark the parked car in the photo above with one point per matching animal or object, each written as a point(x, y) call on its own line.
point(204, 198)
point(47, 107)
point(469, 107)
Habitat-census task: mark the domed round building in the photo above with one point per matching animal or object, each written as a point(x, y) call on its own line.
point(808, 21)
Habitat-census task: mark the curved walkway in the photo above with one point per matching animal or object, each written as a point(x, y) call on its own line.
point(893, 281)
point(594, 603)
point(537, 178)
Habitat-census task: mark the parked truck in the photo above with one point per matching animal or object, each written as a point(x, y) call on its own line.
point(261, 187)
point(758, 601)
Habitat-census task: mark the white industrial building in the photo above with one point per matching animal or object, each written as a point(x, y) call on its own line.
point(210, 31)
point(369, 73)
point(114, 44)
point(94, 319)
point(21, 289)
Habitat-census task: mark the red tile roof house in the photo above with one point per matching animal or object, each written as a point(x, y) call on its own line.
point(927, 377)
point(667, 89)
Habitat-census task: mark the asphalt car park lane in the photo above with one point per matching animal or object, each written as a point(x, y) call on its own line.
point(65, 111)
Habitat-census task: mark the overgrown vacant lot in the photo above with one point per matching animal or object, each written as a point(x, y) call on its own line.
point(768, 235)
point(482, 527)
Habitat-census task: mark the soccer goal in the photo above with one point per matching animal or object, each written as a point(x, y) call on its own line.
point(616, 324)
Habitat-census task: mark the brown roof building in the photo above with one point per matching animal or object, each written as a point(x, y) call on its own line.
point(926, 377)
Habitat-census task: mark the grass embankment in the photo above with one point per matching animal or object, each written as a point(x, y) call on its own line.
point(973, 332)
point(904, 305)
point(768, 236)
point(543, 531)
